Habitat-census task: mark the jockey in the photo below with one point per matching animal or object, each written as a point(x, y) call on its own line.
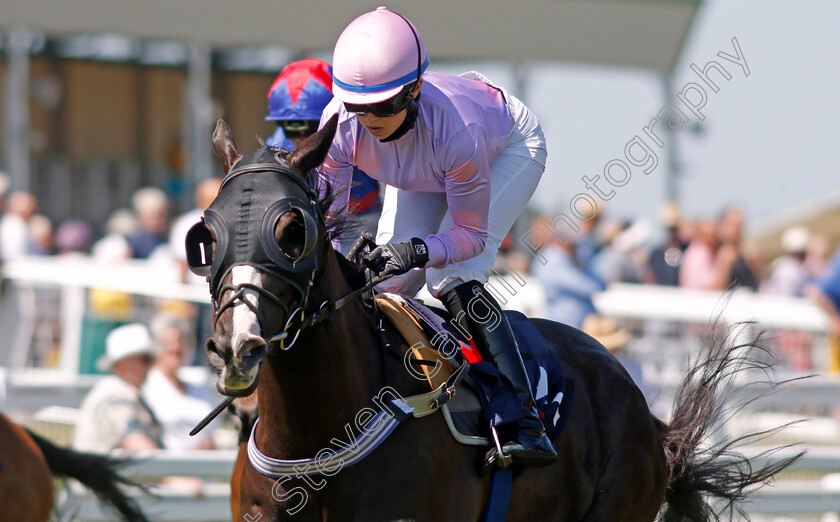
point(461, 158)
point(295, 101)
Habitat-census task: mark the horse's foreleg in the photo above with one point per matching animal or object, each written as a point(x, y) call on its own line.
point(236, 480)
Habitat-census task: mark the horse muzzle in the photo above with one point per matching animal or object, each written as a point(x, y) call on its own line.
point(238, 367)
point(235, 383)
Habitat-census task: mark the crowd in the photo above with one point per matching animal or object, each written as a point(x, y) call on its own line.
point(702, 254)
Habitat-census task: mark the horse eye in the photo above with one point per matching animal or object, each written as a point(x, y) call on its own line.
point(290, 233)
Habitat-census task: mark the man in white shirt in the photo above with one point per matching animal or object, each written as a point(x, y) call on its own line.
point(114, 415)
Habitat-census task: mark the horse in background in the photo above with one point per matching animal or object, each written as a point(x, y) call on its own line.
point(616, 460)
point(28, 463)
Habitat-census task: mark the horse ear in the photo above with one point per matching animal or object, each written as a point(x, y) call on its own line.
point(312, 151)
point(224, 146)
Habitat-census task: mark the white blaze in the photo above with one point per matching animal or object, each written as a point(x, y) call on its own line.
point(246, 326)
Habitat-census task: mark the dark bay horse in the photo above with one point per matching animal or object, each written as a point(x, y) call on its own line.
point(28, 463)
point(275, 280)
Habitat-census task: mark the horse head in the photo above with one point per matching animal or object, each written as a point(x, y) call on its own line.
point(261, 244)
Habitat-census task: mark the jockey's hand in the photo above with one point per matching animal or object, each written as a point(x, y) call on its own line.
point(397, 258)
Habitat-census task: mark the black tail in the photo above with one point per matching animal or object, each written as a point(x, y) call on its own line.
point(96, 472)
point(698, 474)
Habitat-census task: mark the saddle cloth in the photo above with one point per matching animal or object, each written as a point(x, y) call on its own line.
point(485, 397)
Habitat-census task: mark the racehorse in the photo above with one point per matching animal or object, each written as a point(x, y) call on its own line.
point(288, 316)
point(28, 463)
point(244, 413)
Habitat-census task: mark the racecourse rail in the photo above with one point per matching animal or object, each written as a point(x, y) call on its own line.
point(812, 487)
point(791, 498)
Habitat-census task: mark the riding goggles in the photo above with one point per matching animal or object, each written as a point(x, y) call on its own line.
point(384, 109)
point(294, 129)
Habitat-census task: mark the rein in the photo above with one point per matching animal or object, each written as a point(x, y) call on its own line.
point(324, 312)
point(393, 412)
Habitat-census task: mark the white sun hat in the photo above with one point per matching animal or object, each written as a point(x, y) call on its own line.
point(125, 341)
point(795, 239)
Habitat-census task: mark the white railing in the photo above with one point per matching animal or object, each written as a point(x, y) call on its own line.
point(30, 389)
point(172, 505)
point(817, 495)
point(645, 308)
point(787, 497)
point(50, 297)
point(667, 303)
point(72, 277)
point(668, 326)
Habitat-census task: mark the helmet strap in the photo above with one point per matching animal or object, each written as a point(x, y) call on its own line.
point(410, 119)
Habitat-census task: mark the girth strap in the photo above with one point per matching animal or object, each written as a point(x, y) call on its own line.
point(376, 431)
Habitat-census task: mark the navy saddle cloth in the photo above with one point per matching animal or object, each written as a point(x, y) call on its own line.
point(552, 391)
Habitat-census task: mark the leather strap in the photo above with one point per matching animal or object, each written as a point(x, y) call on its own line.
point(499, 501)
point(374, 434)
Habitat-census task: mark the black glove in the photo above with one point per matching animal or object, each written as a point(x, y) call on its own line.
point(397, 258)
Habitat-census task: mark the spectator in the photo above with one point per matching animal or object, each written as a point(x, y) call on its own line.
point(632, 255)
point(790, 273)
point(113, 414)
point(698, 268)
point(14, 226)
point(817, 255)
point(41, 240)
point(568, 288)
point(586, 248)
point(825, 291)
point(113, 246)
point(734, 267)
point(296, 100)
point(515, 287)
point(150, 208)
point(4, 186)
point(665, 260)
point(177, 405)
point(606, 263)
point(73, 237)
point(205, 193)
point(606, 331)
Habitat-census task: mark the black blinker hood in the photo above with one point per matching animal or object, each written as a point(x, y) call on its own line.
point(259, 189)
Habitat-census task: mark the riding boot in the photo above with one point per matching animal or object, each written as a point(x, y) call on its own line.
point(477, 312)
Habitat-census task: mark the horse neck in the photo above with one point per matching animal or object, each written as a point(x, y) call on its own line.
point(310, 393)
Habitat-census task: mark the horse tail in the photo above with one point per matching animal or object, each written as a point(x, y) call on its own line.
point(697, 474)
point(97, 472)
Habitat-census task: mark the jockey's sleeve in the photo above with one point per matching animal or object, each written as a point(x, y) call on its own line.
point(467, 185)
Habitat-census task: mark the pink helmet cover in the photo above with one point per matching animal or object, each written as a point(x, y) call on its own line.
point(375, 56)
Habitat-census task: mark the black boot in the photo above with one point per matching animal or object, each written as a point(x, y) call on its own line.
point(478, 313)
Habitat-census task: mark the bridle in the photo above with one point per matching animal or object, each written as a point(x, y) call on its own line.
point(271, 184)
point(200, 259)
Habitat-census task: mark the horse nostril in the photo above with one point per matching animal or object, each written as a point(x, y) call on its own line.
point(215, 356)
point(252, 351)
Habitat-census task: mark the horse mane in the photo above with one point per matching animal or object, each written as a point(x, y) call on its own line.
point(336, 223)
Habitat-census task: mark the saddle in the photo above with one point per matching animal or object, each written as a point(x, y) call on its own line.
point(485, 398)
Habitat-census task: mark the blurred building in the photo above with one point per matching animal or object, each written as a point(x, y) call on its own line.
point(108, 114)
point(102, 100)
